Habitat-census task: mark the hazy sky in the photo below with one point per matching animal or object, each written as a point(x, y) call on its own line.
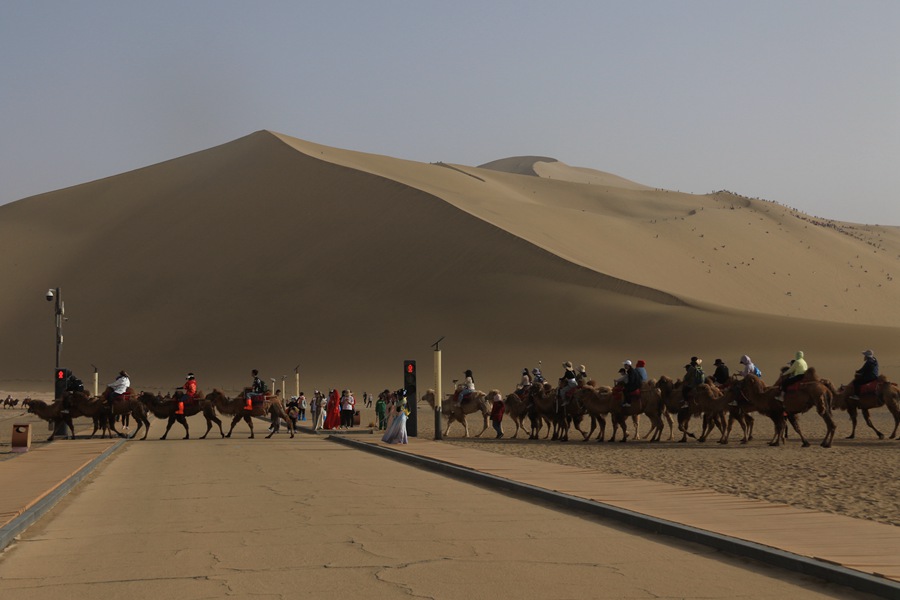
point(793, 101)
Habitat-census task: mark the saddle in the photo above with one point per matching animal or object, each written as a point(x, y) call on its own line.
point(870, 388)
point(619, 393)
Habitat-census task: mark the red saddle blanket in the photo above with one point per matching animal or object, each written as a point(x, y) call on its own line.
point(869, 388)
point(619, 393)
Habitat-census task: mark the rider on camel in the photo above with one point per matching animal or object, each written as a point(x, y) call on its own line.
point(257, 388)
point(794, 374)
point(118, 388)
point(866, 373)
point(189, 391)
point(567, 381)
point(632, 383)
point(467, 387)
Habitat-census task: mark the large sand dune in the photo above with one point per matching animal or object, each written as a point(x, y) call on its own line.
point(270, 252)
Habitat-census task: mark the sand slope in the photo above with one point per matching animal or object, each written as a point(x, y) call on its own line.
point(270, 252)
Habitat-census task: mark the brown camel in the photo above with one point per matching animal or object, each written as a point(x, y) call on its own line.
point(712, 402)
point(810, 392)
point(884, 394)
point(516, 408)
point(672, 398)
point(54, 415)
point(454, 411)
point(600, 401)
point(127, 404)
point(167, 408)
point(546, 407)
point(271, 407)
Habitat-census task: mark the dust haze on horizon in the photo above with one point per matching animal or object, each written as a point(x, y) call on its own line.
point(795, 102)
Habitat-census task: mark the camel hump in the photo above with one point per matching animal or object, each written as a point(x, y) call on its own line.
point(811, 375)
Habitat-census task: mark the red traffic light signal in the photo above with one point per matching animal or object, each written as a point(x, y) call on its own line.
point(60, 373)
point(410, 368)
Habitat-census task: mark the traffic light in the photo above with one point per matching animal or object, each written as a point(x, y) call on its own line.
point(60, 378)
point(409, 384)
point(409, 379)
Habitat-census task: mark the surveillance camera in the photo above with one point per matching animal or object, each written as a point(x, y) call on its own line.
point(49, 296)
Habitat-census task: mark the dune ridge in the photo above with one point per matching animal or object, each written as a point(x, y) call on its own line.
point(270, 251)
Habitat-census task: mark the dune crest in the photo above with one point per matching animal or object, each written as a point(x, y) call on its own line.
point(270, 251)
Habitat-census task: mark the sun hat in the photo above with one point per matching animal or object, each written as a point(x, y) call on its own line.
point(568, 364)
point(868, 353)
point(627, 363)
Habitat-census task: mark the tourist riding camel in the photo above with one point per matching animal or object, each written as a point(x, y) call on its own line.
point(867, 373)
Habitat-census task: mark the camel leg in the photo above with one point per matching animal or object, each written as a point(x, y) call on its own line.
point(187, 431)
point(623, 421)
point(146, 421)
point(234, 422)
point(851, 411)
point(829, 424)
point(249, 420)
point(485, 415)
point(671, 428)
point(218, 422)
point(168, 426)
point(795, 423)
point(865, 412)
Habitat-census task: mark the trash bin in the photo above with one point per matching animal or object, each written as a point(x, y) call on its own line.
point(21, 437)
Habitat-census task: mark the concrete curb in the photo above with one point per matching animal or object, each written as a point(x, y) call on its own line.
point(12, 529)
point(827, 571)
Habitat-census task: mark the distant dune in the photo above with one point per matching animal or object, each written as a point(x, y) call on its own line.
point(269, 252)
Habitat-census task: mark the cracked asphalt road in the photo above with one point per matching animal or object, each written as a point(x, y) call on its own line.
point(307, 518)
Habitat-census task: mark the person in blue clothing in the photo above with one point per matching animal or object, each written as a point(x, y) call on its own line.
point(866, 373)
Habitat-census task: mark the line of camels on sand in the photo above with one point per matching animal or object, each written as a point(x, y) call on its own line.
point(718, 406)
point(139, 405)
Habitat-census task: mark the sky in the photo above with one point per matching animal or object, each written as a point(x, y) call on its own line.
point(795, 101)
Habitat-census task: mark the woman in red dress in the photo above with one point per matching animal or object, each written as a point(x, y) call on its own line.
point(333, 411)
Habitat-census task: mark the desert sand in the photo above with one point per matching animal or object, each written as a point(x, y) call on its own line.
point(276, 253)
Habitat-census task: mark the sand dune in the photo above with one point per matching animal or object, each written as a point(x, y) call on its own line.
point(270, 252)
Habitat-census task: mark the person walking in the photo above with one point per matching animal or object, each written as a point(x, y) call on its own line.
point(303, 406)
point(497, 409)
point(380, 411)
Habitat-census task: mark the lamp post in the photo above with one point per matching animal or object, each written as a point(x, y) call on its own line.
point(438, 393)
point(53, 293)
point(297, 381)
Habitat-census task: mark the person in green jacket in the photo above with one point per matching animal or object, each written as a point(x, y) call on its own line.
point(380, 410)
point(794, 373)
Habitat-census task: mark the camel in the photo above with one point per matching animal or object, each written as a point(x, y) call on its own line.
point(885, 393)
point(670, 392)
point(810, 392)
point(83, 404)
point(166, 408)
point(546, 407)
point(516, 409)
point(271, 406)
point(712, 401)
point(600, 401)
point(453, 411)
point(54, 415)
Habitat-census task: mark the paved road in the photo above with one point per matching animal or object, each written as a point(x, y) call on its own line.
point(286, 518)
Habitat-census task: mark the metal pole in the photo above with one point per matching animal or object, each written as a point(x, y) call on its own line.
point(297, 381)
point(59, 316)
point(283, 386)
point(438, 392)
point(96, 381)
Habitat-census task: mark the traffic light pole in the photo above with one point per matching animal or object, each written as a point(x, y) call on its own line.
point(59, 319)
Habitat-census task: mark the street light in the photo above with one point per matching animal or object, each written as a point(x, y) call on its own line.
point(53, 293)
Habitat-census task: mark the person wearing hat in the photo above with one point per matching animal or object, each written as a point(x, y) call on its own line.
point(118, 388)
point(693, 377)
point(641, 368)
point(467, 387)
point(567, 381)
point(794, 373)
point(632, 383)
point(581, 377)
point(866, 373)
point(525, 382)
point(190, 387)
point(721, 375)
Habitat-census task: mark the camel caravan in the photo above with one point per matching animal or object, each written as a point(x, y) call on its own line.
point(716, 405)
point(106, 409)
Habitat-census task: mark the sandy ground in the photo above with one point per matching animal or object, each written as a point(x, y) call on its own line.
point(855, 478)
point(314, 519)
